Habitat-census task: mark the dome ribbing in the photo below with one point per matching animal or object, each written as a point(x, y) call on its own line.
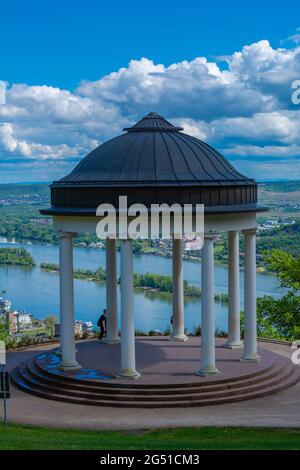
point(154, 162)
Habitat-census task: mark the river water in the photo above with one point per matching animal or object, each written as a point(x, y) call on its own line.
point(36, 292)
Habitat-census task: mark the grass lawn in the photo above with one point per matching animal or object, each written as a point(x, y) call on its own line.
point(17, 437)
point(33, 331)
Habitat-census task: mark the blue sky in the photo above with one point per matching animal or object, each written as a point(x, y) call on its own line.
point(77, 72)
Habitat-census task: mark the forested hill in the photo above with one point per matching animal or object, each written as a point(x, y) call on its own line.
point(286, 238)
point(24, 194)
point(20, 218)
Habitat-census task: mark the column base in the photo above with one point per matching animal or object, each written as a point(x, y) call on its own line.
point(128, 374)
point(111, 340)
point(75, 365)
point(250, 358)
point(233, 344)
point(208, 371)
point(58, 351)
point(178, 338)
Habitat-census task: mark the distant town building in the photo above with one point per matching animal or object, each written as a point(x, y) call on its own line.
point(16, 320)
point(23, 318)
point(271, 223)
point(78, 328)
point(87, 326)
point(11, 322)
point(5, 305)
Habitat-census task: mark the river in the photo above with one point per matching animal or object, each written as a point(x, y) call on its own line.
point(36, 292)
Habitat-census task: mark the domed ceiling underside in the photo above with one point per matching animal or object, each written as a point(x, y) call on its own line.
point(153, 162)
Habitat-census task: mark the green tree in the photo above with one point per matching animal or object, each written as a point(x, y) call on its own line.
point(286, 268)
point(280, 318)
point(50, 322)
point(16, 256)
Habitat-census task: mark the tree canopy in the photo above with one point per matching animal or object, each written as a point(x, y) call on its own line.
point(280, 318)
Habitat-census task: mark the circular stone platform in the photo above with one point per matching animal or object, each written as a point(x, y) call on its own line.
point(168, 375)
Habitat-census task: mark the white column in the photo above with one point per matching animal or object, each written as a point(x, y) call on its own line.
point(250, 336)
point(208, 365)
point(234, 330)
point(67, 320)
point(111, 293)
point(127, 313)
point(178, 294)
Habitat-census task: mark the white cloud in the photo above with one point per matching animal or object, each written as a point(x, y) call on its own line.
point(243, 108)
point(268, 170)
point(295, 38)
point(264, 151)
point(196, 89)
point(21, 147)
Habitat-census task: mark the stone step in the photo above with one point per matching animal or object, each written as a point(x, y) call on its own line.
point(135, 385)
point(290, 378)
point(99, 395)
point(27, 382)
point(39, 376)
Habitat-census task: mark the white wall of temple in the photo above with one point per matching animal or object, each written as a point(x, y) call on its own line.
point(212, 222)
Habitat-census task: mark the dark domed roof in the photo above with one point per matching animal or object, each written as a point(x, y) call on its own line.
point(153, 162)
point(154, 152)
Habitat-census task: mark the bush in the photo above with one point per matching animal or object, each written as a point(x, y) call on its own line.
point(220, 333)
point(140, 333)
point(197, 330)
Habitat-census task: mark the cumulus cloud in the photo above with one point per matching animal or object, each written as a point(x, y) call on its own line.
point(196, 89)
point(242, 106)
point(278, 127)
point(265, 151)
point(24, 148)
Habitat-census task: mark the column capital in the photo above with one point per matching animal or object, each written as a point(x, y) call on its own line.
point(62, 234)
point(249, 231)
point(211, 236)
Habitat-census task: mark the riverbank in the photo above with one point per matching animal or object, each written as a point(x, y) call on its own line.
point(37, 291)
point(148, 282)
point(101, 247)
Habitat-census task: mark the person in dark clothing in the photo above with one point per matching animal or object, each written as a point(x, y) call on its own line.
point(102, 323)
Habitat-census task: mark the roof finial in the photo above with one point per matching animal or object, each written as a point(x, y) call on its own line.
point(153, 122)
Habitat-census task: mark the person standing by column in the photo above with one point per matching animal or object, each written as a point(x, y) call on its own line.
point(102, 323)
